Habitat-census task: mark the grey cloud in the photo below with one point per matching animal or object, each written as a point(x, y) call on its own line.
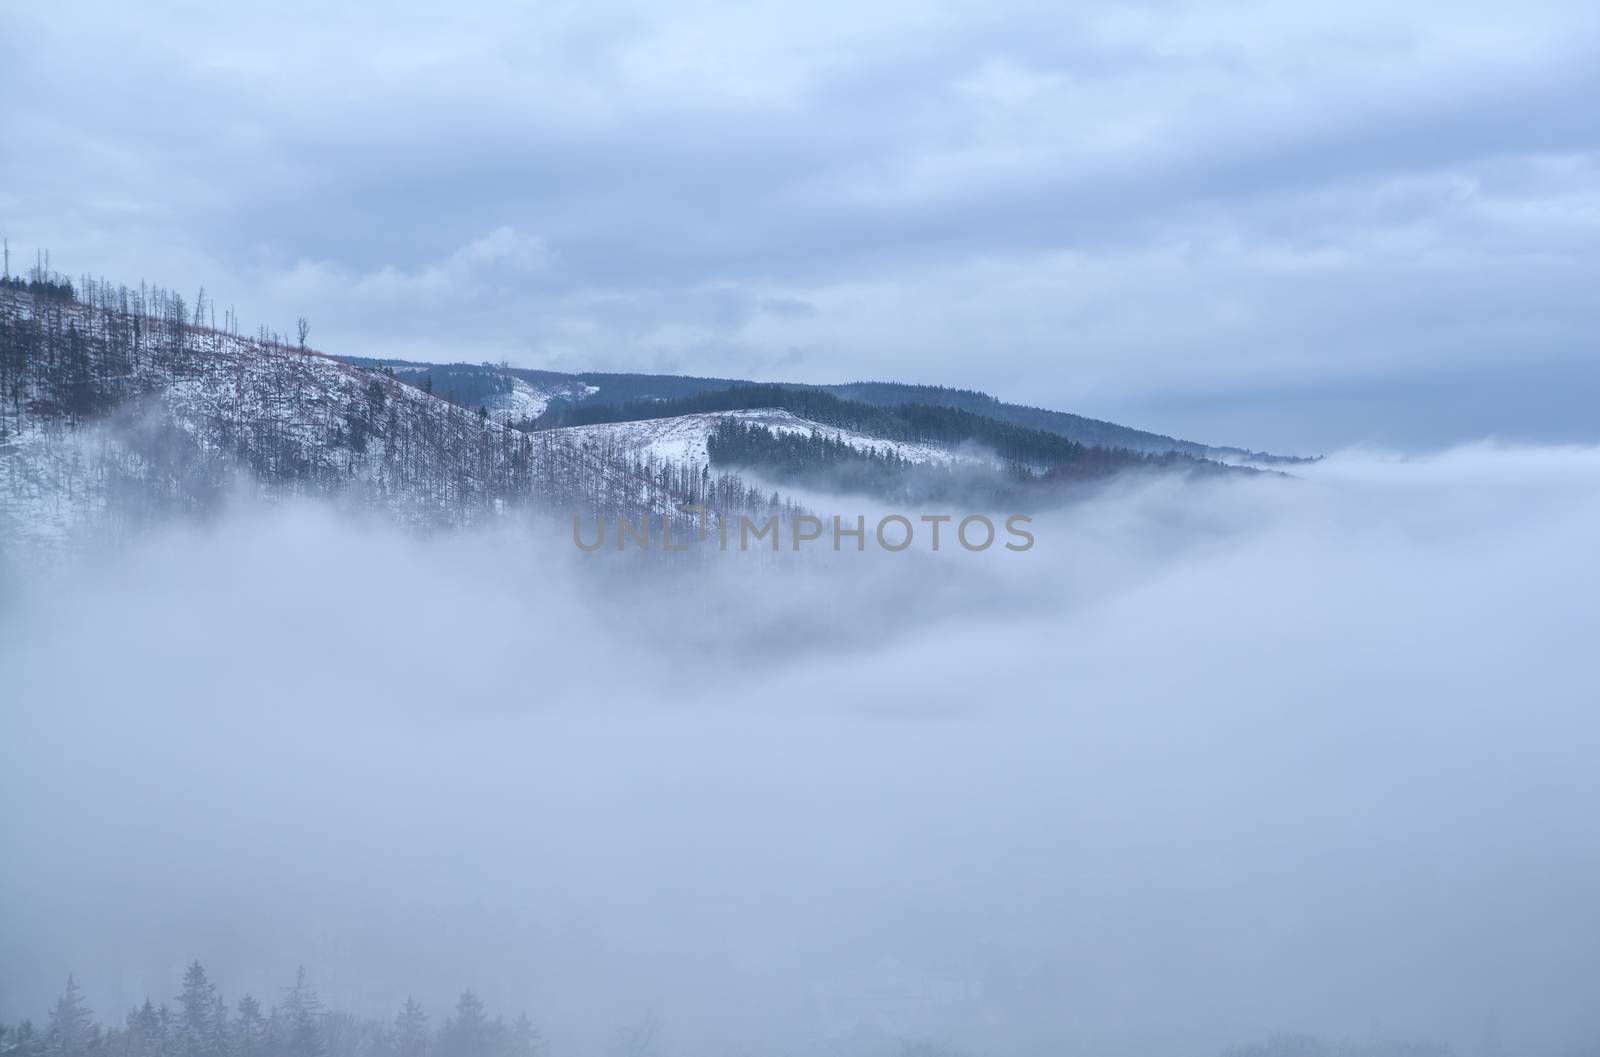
point(666, 163)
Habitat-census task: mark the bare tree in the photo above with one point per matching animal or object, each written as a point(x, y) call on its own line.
point(640, 1039)
point(302, 327)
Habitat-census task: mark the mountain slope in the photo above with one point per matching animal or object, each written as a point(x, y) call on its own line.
point(118, 407)
point(617, 389)
point(509, 395)
point(115, 410)
point(682, 438)
point(1090, 431)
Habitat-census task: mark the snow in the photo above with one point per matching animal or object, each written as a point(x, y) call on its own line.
point(205, 415)
point(525, 400)
point(683, 438)
point(48, 484)
point(228, 411)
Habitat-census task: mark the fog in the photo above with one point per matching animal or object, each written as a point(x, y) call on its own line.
point(1214, 759)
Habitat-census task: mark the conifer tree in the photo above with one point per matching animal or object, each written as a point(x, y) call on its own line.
point(196, 1013)
point(296, 1028)
point(411, 1030)
point(468, 1033)
point(71, 1028)
point(248, 1034)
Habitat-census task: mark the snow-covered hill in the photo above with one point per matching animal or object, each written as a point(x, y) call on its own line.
point(683, 438)
point(120, 406)
point(115, 415)
point(506, 396)
point(522, 401)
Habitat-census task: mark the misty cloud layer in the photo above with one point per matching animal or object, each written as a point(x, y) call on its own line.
point(1277, 226)
point(1214, 759)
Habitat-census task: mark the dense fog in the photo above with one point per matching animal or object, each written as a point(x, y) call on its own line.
point(1215, 759)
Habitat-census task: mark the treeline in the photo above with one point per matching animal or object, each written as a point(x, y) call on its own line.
point(464, 384)
point(1089, 431)
point(41, 281)
point(789, 454)
point(828, 463)
point(199, 1022)
point(1310, 1046)
point(920, 423)
point(679, 484)
point(56, 287)
point(818, 460)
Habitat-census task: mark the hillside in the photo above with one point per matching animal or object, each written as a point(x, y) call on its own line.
point(683, 438)
point(488, 383)
point(1088, 431)
point(118, 408)
point(506, 393)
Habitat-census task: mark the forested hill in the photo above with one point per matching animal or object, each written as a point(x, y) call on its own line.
point(474, 381)
point(1088, 431)
point(120, 407)
point(924, 423)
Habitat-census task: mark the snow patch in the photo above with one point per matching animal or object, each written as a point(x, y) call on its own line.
point(683, 438)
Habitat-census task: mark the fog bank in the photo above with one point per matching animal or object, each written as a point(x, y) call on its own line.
point(1214, 759)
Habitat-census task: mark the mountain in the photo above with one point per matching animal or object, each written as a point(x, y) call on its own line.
point(516, 395)
point(120, 407)
point(613, 389)
point(117, 409)
point(1090, 431)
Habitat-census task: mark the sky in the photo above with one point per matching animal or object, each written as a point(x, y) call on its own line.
point(1216, 759)
point(1291, 226)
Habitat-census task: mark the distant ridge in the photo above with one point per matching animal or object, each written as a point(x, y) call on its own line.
point(615, 388)
point(1084, 430)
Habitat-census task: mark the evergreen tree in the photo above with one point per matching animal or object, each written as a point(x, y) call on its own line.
point(296, 1026)
point(411, 1030)
point(196, 1013)
point(524, 1040)
point(468, 1033)
point(24, 1040)
point(71, 1028)
point(248, 1034)
point(219, 1032)
point(145, 1035)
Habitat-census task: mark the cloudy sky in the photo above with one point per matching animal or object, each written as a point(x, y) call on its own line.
point(1285, 225)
